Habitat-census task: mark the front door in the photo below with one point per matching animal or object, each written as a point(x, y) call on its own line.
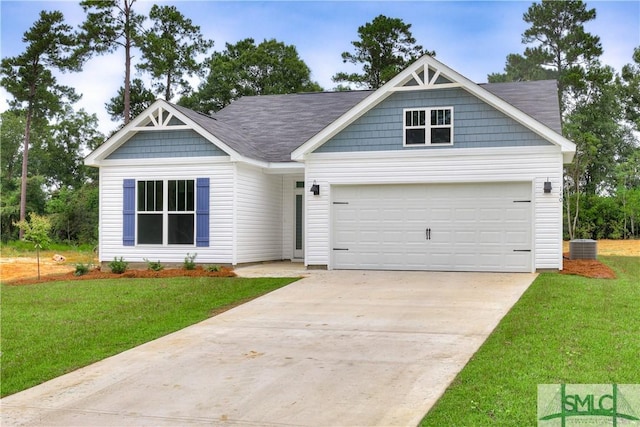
point(298, 222)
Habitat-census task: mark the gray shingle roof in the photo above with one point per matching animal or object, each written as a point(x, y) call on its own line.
point(270, 127)
point(539, 99)
point(279, 124)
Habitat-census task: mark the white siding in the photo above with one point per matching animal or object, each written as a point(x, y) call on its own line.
point(220, 173)
point(259, 215)
point(534, 164)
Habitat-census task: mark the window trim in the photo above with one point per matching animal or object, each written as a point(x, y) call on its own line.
point(165, 212)
point(427, 127)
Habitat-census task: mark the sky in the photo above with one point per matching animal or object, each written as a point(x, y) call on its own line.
point(472, 37)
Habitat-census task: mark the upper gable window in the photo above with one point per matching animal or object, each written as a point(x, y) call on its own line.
point(428, 126)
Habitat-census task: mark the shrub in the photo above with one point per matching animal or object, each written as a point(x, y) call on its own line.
point(213, 268)
point(190, 262)
point(118, 266)
point(154, 265)
point(82, 269)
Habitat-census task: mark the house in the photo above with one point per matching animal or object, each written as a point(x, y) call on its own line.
point(429, 172)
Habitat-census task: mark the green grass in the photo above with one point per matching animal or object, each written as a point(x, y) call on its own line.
point(52, 328)
point(564, 329)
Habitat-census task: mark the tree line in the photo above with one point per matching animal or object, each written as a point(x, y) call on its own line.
point(44, 138)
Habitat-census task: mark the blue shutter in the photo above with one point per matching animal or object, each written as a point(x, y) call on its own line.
point(128, 212)
point(202, 212)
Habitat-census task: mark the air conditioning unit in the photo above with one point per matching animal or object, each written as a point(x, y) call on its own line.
point(583, 249)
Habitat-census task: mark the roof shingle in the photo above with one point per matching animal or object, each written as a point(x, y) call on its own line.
point(270, 127)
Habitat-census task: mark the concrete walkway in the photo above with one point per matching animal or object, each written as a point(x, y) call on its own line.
point(337, 348)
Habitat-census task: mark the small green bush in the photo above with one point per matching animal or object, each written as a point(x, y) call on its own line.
point(154, 265)
point(118, 266)
point(82, 269)
point(213, 268)
point(190, 262)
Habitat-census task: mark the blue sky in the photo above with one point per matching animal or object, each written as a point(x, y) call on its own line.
point(473, 37)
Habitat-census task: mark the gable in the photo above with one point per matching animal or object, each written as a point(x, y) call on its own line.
point(426, 75)
point(161, 131)
point(164, 144)
point(475, 124)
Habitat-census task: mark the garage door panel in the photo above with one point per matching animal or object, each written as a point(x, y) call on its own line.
point(440, 214)
point(346, 215)
point(370, 237)
point(516, 258)
point(491, 237)
point(346, 236)
point(520, 216)
point(517, 238)
point(458, 227)
point(462, 215)
point(491, 214)
point(369, 215)
point(392, 237)
point(417, 237)
point(464, 237)
point(414, 215)
point(440, 235)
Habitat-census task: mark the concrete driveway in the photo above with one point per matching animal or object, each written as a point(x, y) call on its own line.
point(337, 348)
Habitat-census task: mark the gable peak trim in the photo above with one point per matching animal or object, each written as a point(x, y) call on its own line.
point(425, 76)
point(158, 117)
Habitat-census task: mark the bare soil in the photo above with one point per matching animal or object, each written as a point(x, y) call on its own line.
point(24, 270)
point(96, 273)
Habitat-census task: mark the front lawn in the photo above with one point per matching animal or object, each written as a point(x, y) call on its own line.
point(53, 328)
point(564, 329)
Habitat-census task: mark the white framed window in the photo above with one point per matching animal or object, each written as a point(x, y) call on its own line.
point(428, 126)
point(165, 212)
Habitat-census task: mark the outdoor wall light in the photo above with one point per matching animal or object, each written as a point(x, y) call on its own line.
point(315, 189)
point(547, 186)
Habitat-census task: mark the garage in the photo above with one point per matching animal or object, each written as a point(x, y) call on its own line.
point(441, 227)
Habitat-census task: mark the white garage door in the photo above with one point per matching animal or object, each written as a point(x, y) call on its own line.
point(447, 227)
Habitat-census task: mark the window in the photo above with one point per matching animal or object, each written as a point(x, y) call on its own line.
point(428, 126)
point(181, 212)
point(166, 212)
point(150, 212)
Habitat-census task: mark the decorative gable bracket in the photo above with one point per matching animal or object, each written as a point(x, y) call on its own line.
point(425, 77)
point(160, 118)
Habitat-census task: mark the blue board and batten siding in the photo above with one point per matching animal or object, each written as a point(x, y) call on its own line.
point(475, 124)
point(166, 144)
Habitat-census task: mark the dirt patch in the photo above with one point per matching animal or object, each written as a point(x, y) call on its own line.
point(23, 267)
point(130, 274)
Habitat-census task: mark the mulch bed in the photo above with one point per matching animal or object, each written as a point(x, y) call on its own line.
point(129, 274)
point(586, 267)
point(582, 267)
